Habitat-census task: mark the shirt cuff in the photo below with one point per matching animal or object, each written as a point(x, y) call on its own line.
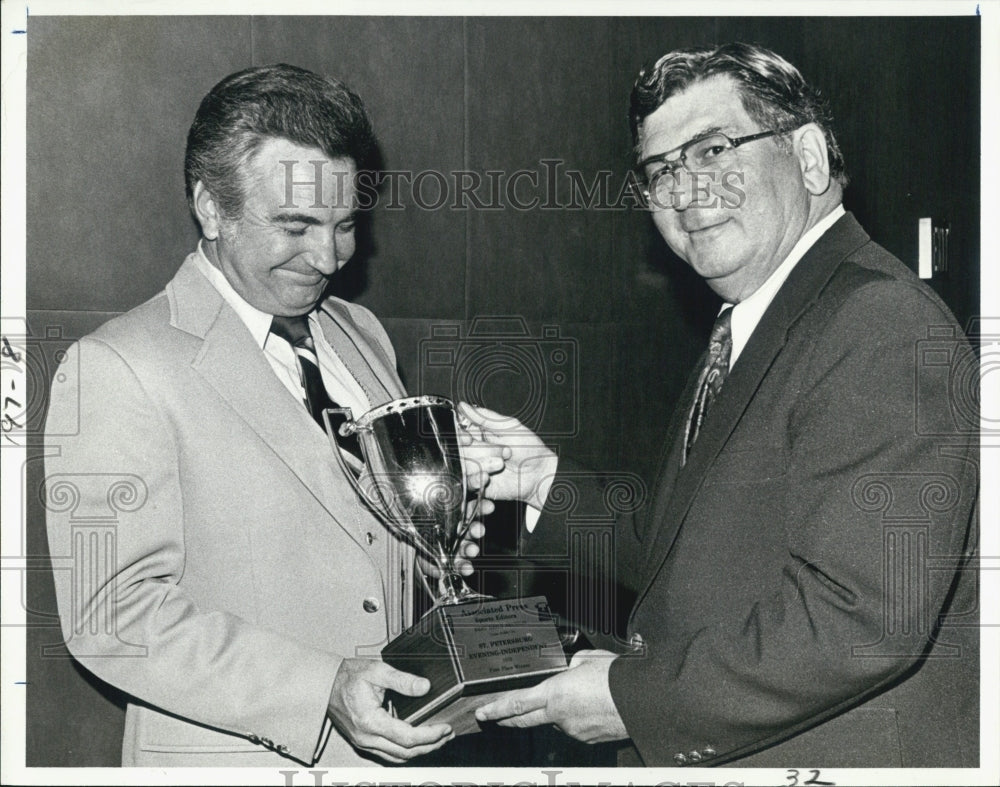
point(324, 736)
point(532, 514)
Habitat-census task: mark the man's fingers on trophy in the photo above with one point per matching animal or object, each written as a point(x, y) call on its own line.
point(478, 474)
point(491, 424)
point(391, 750)
point(400, 739)
point(468, 550)
point(403, 682)
point(468, 433)
point(514, 704)
point(466, 424)
point(582, 657)
point(477, 481)
point(476, 510)
point(486, 459)
point(534, 719)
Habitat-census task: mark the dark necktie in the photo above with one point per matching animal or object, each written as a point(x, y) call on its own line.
point(713, 375)
point(295, 331)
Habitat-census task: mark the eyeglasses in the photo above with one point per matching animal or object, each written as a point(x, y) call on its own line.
point(710, 153)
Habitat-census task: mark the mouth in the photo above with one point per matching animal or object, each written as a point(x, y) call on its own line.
point(310, 278)
point(700, 229)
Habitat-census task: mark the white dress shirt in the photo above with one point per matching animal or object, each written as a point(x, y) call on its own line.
point(337, 379)
point(747, 313)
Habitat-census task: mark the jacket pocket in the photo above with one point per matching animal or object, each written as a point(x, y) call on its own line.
point(162, 732)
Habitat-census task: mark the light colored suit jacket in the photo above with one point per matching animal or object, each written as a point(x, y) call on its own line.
point(223, 566)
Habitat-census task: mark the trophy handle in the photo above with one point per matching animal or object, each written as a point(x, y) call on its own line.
point(349, 426)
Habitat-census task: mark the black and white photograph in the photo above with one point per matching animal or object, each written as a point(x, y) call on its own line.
point(525, 394)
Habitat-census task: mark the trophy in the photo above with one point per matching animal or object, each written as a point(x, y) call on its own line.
point(469, 646)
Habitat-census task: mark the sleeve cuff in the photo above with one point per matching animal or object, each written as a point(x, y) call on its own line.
point(532, 514)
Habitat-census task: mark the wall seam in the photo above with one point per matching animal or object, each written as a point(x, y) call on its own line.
point(467, 305)
point(622, 267)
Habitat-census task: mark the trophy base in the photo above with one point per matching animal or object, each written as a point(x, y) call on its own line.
point(472, 652)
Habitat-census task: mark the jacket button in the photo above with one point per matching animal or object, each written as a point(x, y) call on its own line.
point(680, 759)
point(370, 538)
point(708, 751)
point(694, 756)
point(637, 642)
point(371, 605)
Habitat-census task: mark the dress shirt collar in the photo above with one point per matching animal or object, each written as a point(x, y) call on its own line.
point(258, 322)
point(748, 312)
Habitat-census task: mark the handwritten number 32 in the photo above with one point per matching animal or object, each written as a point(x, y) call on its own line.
point(812, 781)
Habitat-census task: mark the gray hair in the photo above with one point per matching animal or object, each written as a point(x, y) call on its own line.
point(772, 91)
point(276, 101)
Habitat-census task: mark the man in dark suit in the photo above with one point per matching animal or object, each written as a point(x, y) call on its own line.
point(803, 593)
point(246, 590)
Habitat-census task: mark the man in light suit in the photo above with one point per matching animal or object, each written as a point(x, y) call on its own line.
point(803, 589)
point(245, 593)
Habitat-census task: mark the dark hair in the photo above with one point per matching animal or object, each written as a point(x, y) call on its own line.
point(276, 101)
point(772, 90)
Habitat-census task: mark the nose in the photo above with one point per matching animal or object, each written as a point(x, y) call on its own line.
point(344, 245)
point(332, 250)
point(683, 190)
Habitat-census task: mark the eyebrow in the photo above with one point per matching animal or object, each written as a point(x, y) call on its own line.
point(295, 218)
point(658, 157)
point(706, 131)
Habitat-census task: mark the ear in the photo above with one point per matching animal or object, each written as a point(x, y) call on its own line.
point(809, 144)
point(207, 211)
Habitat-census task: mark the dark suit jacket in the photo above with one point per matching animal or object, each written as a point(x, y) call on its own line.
point(794, 576)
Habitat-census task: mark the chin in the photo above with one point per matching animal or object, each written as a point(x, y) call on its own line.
point(303, 303)
point(712, 269)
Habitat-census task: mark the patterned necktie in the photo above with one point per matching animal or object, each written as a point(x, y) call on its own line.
point(295, 331)
point(713, 375)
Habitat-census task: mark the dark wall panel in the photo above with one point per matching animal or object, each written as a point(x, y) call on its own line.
point(409, 72)
point(538, 91)
point(665, 309)
point(905, 99)
point(109, 104)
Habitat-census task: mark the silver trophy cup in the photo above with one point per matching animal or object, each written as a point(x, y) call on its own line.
point(413, 479)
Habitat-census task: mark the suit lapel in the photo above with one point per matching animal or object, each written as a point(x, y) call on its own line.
point(798, 292)
point(235, 367)
point(669, 465)
point(365, 359)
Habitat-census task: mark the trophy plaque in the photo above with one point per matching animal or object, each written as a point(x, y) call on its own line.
point(469, 646)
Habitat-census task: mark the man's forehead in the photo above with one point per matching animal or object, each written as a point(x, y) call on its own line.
point(284, 174)
point(709, 104)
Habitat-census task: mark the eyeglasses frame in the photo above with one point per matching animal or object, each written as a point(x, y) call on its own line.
point(681, 160)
